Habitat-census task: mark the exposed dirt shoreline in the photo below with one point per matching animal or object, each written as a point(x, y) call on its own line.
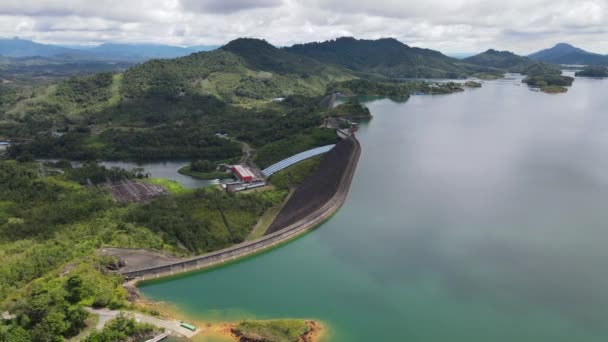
point(314, 334)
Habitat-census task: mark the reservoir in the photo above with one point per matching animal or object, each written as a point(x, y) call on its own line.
point(164, 169)
point(475, 217)
point(156, 169)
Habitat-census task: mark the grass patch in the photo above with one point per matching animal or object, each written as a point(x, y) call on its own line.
point(66, 184)
point(204, 175)
point(295, 175)
point(265, 221)
point(172, 186)
point(272, 331)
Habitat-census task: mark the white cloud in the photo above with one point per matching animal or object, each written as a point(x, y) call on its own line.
point(448, 25)
point(225, 7)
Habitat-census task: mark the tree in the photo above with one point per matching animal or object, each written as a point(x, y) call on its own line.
point(202, 166)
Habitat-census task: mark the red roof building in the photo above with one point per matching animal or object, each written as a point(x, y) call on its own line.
point(243, 173)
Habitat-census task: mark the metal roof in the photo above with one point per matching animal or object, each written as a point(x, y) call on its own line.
point(243, 171)
point(285, 163)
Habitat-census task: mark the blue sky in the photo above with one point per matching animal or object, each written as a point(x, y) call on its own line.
point(522, 26)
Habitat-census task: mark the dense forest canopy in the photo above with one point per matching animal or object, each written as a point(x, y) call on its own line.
point(387, 57)
point(51, 228)
point(593, 71)
point(511, 62)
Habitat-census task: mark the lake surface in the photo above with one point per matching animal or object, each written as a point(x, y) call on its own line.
point(479, 216)
point(166, 169)
point(163, 169)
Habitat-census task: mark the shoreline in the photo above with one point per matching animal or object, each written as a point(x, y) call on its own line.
point(207, 327)
point(254, 247)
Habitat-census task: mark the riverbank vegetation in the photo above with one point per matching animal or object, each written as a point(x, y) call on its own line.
point(593, 71)
point(187, 170)
point(549, 80)
point(398, 90)
point(351, 109)
point(203, 169)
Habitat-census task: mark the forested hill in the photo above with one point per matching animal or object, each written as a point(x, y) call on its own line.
point(563, 53)
point(243, 70)
point(508, 61)
point(388, 57)
point(259, 55)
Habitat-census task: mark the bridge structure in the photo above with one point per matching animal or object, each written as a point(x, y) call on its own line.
point(285, 163)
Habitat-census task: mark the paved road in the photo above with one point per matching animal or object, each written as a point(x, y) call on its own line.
point(106, 315)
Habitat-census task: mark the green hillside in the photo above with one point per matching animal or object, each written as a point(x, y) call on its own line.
point(243, 71)
point(510, 62)
point(172, 108)
point(388, 57)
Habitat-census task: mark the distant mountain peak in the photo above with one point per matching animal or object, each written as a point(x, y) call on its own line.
point(564, 45)
point(564, 53)
point(498, 52)
point(240, 43)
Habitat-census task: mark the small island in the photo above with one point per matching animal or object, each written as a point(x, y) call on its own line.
point(553, 89)
point(277, 331)
point(488, 76)
point(550, 83)
point(593, 71)
point(203, 169)
point(472, 84)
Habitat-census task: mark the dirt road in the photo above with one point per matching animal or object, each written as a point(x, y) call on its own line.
point(106, 315)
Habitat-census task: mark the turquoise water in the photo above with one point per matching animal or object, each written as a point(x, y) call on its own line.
point(479, 216)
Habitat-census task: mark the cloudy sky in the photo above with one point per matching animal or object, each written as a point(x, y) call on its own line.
point(451, 26)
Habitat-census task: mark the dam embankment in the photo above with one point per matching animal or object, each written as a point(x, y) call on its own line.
point(319, 188)
point(313, 202)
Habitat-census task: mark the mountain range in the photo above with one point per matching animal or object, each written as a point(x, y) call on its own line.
point(387, 57)
point(563, 53)
point(19, 48)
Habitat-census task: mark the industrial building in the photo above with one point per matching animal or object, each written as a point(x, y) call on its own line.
point(243, 173)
